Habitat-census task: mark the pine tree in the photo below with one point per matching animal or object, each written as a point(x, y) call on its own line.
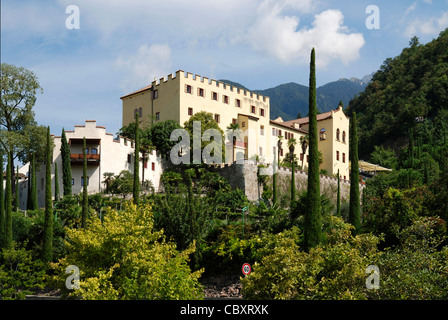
point(313, 220)
point(354, 216)
point(47, 247)
point(85, 196)
point(34, 203)
point(2, 203)
point(136, 188)
point(338, 201)
point(66, 166)
point(56, 182)
point(8, 206)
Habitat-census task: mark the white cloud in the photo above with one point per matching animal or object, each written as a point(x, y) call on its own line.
point(431, 26)
point(140, 68)
point(279, 35)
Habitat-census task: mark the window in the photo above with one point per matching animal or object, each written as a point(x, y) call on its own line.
point(261, 112)
point(214, 96)
point(188, 89)
point(252, 109)
point(301, 157)
point(273, 131)
point(155, 94)
point(234, 121)
point(323, 134)
point(279, 132)
point(217, 118)
point(281, 152)
point(260, 151)
point(87, 151)
point(343, 157)
point(94, 151)
point(225, 99)
point(129, 158)
point(262, 130)
point(201, 92)
point(153, 166)
point(73, 182)
point(238, 103)
point(338, 132)
point(243, 124)
point(157, 115)
point(337, 155)
point(345, 178)
point(190, 111)
point(140, 112)
point(145, 164)
point(343, 136)
point(82, 181)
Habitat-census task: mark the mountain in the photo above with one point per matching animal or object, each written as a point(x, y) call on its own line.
point(289, 99)
point(408, 92)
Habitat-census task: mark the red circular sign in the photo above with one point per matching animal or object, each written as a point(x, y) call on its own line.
point(246, 269)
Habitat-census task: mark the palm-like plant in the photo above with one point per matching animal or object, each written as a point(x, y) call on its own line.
point(304, 141)
point(234, 132)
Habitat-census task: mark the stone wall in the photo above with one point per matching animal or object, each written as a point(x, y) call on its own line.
point(244, 176)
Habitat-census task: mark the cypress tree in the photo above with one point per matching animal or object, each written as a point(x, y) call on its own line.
point(47, 247)
point(136, 188)
point(274, 181)
point(66, 166)
point(2, 203)
point(291, 143)
point(8, 206)
point(85, 196)
point(313, 223)
point(293, 183)
point(355, 207)
point(16, 199)
point(338, 201)
point(34, 203)
point(56, 182)
point(28, 195)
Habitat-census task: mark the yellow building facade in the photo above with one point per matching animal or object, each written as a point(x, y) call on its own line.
point(180, 95)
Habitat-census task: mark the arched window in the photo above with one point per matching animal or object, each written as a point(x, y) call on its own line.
point(323, 134)
point(343, 136)
point(140, 112)
point(338, 132)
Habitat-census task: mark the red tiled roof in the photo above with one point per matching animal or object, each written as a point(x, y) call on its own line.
point(138, 91)
point(289, 126)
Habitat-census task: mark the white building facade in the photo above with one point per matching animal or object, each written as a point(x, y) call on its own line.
point(104, 154)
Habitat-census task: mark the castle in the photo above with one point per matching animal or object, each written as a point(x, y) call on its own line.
point(177, 97)
point(182, 94)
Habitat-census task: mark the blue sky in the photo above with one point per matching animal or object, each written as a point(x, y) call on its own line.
point(122, 45)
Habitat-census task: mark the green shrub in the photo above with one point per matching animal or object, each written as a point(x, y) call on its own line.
point(19, 274)
point(333, 271)
point(416, 269)
point(124, 258)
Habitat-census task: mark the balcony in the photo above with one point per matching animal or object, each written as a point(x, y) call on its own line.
point(79, 158)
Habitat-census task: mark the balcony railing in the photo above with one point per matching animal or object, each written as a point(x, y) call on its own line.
point(79, 158)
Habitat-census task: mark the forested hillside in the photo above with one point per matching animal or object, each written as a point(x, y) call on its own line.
point(409, 91)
